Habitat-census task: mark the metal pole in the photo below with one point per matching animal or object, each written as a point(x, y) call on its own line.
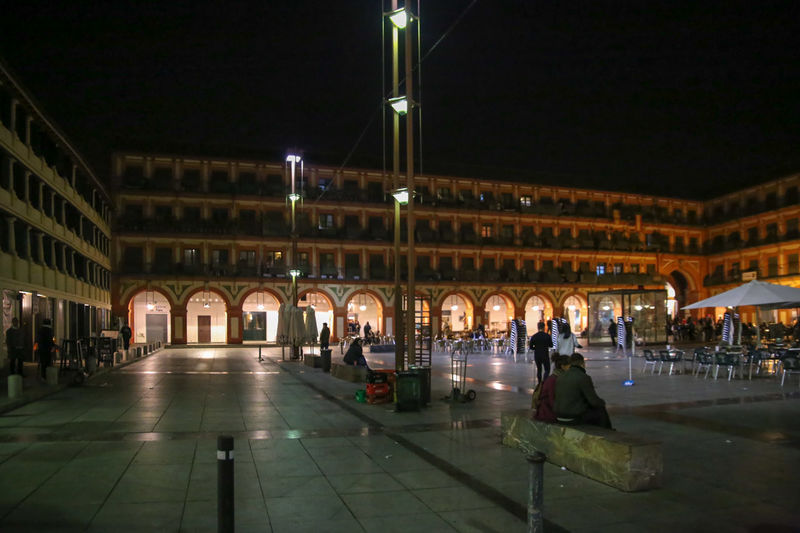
point(411, 302)
point(399, 348)
point(293, 263)
point(536, 476)
point(225, 522)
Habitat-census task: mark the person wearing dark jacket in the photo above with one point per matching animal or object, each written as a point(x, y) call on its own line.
point(541, 343)
point(324, 336)
point(44, 342)
point(15, 347)
point(576, 401)
point(355, 355)
point(545, 402)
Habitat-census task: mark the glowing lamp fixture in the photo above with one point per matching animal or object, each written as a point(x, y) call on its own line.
point(399, 104)
point(401, 195)
point(496, 307)
point(206, 305)
point(638, 307)
point(292, 158)
point(454, 307)
point(399, 18)
point(535, 307)
point(150, 306)
point(362, 307)
point(260, 307)
point(295, 272)
point(293, 197)
point(606, 308)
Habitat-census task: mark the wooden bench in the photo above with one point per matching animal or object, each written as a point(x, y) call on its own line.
point(356, 374)
point(622, 460)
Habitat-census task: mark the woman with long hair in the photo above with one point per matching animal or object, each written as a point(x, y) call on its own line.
point(567, 342)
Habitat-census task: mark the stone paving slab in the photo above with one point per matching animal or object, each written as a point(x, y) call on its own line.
point(139, 444)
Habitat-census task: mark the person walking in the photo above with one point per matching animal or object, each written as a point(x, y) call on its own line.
point(540, 344)
point(44, 344)
point(324, 337)
point(567, 342)
point(15, 347)
point(126, 333)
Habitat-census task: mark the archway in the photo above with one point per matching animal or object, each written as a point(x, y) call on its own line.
point(605, 312)
point(457, 313)
point(498, 312)
point(206, 317)
point(260, 317)
point(575, 311)
point(364, 308)
point(679, 285)
point(149, 316)
point(537, 309)
point(323, 308)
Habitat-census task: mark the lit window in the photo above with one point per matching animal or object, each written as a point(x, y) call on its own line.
point(601, 269)
point(487, 230)
point(525, 201)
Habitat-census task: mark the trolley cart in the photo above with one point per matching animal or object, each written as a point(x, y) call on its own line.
point(458, 378)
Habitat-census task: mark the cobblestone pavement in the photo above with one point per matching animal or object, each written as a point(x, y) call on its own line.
point(135, 450)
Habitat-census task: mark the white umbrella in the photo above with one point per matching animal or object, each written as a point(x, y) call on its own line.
point(311, 325)
point(297, 330)
point(755, 292)
point(283, 325)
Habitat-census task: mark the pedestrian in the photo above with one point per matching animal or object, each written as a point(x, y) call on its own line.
point(324, 337)
point(367, 330)
point(540, 344)
point(15, 347)
point(126, 333)
point(567, 342)
point(576, 401)
point(355, 355)
point(44, 345)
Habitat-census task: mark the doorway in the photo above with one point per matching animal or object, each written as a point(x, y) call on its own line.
point(204, 328)
point(156, 328)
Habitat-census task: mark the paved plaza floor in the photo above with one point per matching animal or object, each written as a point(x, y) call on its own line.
point(135, 450)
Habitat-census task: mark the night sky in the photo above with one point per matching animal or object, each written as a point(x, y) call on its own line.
point(689, 99)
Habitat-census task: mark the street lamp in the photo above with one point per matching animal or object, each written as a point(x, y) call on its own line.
point(401, 195)
point(399, 18)
point(293, 197)
point(399, 104)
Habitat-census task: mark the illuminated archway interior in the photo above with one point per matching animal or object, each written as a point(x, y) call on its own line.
point(575, 313)
point(457, 314)
point(537, 309)
point(323, 311)
point(499, 311)
point(206, 318)
point(149, 315)
point(364, 308)
point(260, 317)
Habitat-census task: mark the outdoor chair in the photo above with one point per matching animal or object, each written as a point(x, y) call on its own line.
point(791, 365)
point(703, 360)
point(667, 357)
point(649, 359)
point(729, 360)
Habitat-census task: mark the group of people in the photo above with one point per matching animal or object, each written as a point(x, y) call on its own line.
point(567, 395)
point(44, 347)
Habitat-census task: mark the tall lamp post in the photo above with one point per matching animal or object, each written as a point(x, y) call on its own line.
point(403, 106)
point(294, 270)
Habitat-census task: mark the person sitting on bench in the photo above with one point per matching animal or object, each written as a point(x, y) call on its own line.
point(355, 355)
point(576, 401)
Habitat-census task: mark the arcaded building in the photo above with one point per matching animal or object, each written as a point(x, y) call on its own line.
point(55, 216)
point(201, 246)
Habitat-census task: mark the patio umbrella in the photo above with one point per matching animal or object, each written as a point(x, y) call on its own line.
point(757, 293)
point(283, 325)
point(297, 330)
point(311, 325)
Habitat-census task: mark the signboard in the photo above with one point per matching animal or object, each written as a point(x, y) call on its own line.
point(750, 275)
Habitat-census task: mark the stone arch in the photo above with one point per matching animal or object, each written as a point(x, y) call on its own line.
point(148, 319)
point(259, 314)
point(455, 320)
point(545, 309)
point(207, 316)
point(275, 294)
point(574, 307)
point(498, 308)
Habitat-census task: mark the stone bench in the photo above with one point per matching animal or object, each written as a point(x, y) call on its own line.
point(314, 361)
point(622, 460)
point(356, 374)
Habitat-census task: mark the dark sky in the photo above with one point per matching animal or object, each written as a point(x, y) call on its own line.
point(684, 98)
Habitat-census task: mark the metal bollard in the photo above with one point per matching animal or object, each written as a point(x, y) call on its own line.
point(259, 354)
point(536, 476)
point(225, 484)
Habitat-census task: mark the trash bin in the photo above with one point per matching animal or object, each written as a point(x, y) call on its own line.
point(325, 359)
point(425, 383)
point(409, 391)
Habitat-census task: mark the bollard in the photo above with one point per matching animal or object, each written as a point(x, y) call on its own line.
point(14, 386)
point(225, 484)
point(536, 474)
point(259, 354)
point(51, 375)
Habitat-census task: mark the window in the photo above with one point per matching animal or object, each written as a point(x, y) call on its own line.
point(324, 183)
point(327, 264)
point(352, 266)
point(467, 263)
point(793, 264)
point(325, 221)
point(162, 256)
point(753, 265)
point(487, 231)
point(302, 260)
point(219, 257)
point(350, 185)
point(508, 200)
point(219, 215)
point(617, 268)
point(791, 228)
point(635, 268)
point(446, 264)
point(444, 192)
point(273, 258)
point(191, 256)
point(191, 214)
point(163, 212)
point(752, 235)
point(772, 266)
point(525, 201)
point(133, 211)
point(651, 269)
point(247, 216)
point(600, 269)
point(584, 267)
point(247, 258)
